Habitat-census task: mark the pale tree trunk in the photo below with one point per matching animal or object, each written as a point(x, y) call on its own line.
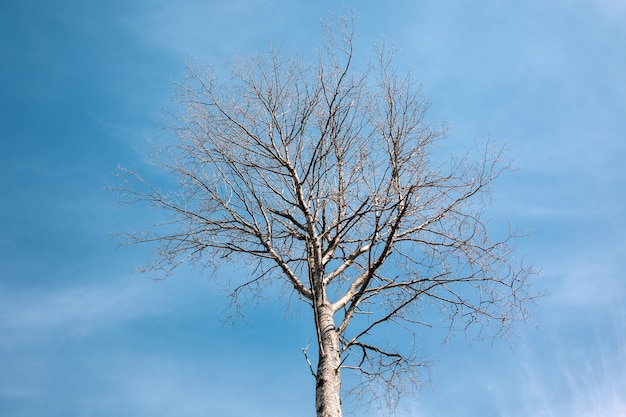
point(328, 379)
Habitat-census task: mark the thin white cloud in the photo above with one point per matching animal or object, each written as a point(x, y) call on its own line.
point(209, 30)
point(145, 384)
point(613, 9)
point(576, 379)
point(75, 311)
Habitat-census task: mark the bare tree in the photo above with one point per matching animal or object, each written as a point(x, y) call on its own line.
point(322, 176)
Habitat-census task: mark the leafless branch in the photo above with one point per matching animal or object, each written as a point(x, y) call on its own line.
point(322, 177)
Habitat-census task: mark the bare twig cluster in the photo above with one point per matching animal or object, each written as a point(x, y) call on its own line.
point(321, 176)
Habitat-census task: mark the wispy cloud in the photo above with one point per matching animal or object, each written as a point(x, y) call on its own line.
point(71, 312)
point(575, 378)
point(614, 9)
point(207, 30)
point(87, 337)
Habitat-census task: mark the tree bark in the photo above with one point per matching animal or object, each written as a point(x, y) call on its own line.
point(328, 378)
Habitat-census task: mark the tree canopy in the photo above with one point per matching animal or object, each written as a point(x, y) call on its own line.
point(322, 177)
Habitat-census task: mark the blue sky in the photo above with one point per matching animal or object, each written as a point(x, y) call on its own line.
point(84, 84)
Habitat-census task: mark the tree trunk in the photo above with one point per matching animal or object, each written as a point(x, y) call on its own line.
point(328, 379)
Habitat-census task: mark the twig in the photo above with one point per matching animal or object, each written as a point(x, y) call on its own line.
point(304, 349)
